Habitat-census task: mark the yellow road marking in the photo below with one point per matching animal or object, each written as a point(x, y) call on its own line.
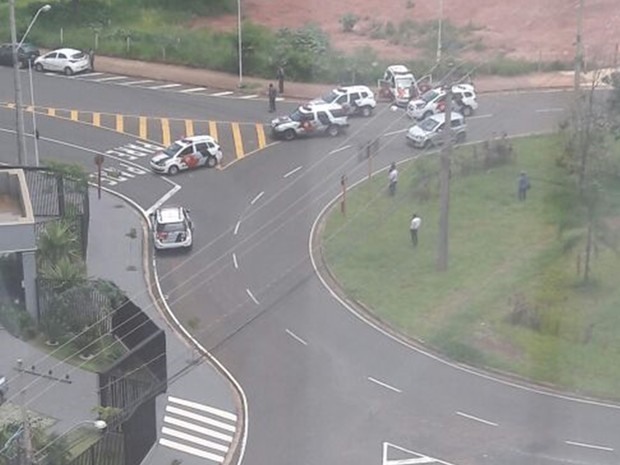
point(120, 123)
point(189, 128)
point(74, 115)
point(51, 112)
point(260, 133)
point(237, 139)
point(143, 132)
point(213, 129)
point(165, 131)
point(96, 119)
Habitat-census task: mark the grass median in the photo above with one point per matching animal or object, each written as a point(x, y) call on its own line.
point(511, 299)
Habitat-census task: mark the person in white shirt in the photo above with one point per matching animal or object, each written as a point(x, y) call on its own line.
point(416, 221)
point(393, 179)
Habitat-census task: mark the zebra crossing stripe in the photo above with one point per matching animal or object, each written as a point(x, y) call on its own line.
point(194, 439)
point(204, 408)
point(191, 450)
point(200, 418)
point(197, 429)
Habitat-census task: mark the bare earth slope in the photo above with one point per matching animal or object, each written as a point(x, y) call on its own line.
point(532, 29)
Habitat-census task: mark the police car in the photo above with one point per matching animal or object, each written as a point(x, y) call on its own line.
point(187, 153)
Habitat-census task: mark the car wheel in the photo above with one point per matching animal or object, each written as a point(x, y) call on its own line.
point(68, 71)
point(333, 131)
point(460, 137)
point(211, 161)
point(173, 170)
point(467, 111)
point(366, 111)
point(289, 134)
point(38, 67)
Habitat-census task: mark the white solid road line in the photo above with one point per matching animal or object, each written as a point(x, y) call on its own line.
point(293, 171)
point(197, 429)
point(589, 446)
point(257, 198)
point(249, 292)
point(220, 94)
point(112, 78)
point(471, 417)
point(385, 385)
point(194, 439)
point(204, 408)
point(201, 418)
point(165, 86)
point(195, 89)
point(296, 337)
point(191, 450)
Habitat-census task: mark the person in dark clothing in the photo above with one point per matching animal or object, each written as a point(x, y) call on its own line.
point(280, 77)
point(91, 58)
point(272, 98)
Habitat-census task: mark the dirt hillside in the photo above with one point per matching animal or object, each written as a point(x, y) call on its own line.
point(532, 29)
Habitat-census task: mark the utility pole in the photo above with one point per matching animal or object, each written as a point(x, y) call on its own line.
point(444, 185)
point(19, 107)
point(579, 48)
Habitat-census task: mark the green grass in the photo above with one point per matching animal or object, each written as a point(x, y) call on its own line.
point(499, 249)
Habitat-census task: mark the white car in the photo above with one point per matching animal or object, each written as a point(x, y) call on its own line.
point(172, 228)
point(188, 153)
point(355, 100)
point(65, 60)
point(434, 101)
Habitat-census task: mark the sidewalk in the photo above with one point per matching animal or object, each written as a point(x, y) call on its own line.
point(116, 254)
point(302, 91)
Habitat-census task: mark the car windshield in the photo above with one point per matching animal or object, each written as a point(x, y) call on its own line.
point(429, 96)
point(173, 149)
point(330, 97)
point(429, 124)
point(171, 227)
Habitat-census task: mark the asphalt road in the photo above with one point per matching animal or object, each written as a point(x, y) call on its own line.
point(322, 385)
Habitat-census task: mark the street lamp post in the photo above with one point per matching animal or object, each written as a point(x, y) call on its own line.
point(19, 107)
point(240, 51)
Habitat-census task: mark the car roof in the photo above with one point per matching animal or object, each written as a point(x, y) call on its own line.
point(169, 214)
point(67, 50)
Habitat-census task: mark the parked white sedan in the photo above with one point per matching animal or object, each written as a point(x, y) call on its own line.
point(65, 60)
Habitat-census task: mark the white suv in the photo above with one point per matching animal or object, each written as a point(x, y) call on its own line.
point(172, 228)
point(188, 153)
point(434, 101)
point(355, 100)
point(322, 118)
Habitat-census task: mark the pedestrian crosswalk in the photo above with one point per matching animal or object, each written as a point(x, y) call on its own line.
point(197, 429)
point(236, 139)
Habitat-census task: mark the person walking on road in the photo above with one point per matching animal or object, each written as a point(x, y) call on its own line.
point(280, 77)
point(272, 98)
point(91, 59)
point(393, 179)
point(416, 221)
point(523, 185)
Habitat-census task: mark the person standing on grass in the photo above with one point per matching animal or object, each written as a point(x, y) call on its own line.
point(414, 225)
point(280, 77)
point(393, 179)
point(523, 185)
point(271, 92)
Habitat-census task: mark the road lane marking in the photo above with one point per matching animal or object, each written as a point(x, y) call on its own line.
point(191, 450)
point(589, 446)
point(197, 428)
point(200, 418)
point(120, 123)
point(236, 132)
point(260, 133)
point(237, 228)
point(203, 408)
point(165, 132)
point(189, 128)
point(257, 198)
point(234, 255)
point(293, 171)
point(249, 292)
point(195, 89)
point(133, 83)
point(96, 119)
point(296, 337)
point(194, 439)
point(213, 130)
point(471, 417)
point(549, 110)
point(220, 94)
point(142, 131)
point(112, 78)
point(340, 149)
point(385, 385)
point(165, 86)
